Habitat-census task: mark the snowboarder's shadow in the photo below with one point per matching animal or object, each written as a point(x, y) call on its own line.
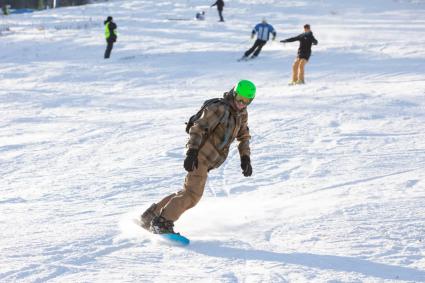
point(329, 262)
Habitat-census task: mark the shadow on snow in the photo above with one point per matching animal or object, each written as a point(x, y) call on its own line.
point(329, 262)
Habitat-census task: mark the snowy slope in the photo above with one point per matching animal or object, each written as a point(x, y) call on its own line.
point(86, 144)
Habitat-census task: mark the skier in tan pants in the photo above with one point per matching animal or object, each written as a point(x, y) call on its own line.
point(210, 138)
point(306, 39)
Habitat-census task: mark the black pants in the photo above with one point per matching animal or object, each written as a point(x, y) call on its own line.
point(220, 13)
point(109, 49)
point(256, 47)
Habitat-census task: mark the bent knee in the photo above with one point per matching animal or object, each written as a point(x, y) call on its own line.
point(193, 198)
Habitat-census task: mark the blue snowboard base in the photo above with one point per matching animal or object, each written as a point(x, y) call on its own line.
point(173, 239)
point(176, 239)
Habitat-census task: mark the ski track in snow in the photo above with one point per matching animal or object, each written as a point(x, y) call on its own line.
point(86, 144)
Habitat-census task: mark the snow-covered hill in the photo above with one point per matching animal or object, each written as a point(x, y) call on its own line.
point(86, 145)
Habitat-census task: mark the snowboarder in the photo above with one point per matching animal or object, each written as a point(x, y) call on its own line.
point(220, 5)
point(263, 31)
point(110, 35)
point(306, 39)
point(200, 16)
point(208, 146)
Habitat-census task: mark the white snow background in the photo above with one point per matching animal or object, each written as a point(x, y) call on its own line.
point(87, 144)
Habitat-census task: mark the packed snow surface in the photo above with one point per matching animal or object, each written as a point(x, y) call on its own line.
point(87, 144)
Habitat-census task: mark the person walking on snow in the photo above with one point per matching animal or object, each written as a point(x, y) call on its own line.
point(110, 35)
point(208, 146)
point(263, 31)
point(306, 39)
point(220, 5)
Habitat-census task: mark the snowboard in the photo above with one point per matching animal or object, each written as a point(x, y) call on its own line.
point(173, 239)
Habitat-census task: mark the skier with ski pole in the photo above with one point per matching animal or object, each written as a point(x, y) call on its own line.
point(220, 6)
point(263, 31)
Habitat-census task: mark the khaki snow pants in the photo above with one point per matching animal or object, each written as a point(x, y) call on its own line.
point(174, 205)
point(298, 69)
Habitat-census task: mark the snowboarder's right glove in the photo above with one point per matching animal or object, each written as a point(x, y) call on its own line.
point(246, 166)
point(191, 160)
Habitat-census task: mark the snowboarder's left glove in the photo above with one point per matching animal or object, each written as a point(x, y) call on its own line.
point(191, 160)
point(246, 166)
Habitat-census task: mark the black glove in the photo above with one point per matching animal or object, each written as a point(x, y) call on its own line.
point(246, 166)
point(191, 160)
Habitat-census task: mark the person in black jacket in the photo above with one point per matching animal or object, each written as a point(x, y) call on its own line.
point(306, 39)
point(110, 35)
point(220, 5)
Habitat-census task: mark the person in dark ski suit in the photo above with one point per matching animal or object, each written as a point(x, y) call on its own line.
point(263, 31)
point(306, 39)
point(220, 5)
point(110, 35)
point(209, 141)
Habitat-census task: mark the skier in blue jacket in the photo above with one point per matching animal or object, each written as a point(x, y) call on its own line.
point(263, 31)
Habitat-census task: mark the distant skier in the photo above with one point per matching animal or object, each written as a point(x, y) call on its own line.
point(5, 9)
point(306, 39)
point(220, 5)
point(200, 16)
point(263, 31)
point(110, 35)
point(210, 137)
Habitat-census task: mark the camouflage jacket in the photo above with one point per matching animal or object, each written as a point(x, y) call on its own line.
point(226, 124)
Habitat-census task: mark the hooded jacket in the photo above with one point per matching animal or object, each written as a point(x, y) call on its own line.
point(213, 133)
point(306, 39)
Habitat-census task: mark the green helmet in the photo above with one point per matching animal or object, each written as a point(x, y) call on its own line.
point(245, 89)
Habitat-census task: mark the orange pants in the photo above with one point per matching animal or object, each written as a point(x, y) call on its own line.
point(298, 69)
point(173, 206)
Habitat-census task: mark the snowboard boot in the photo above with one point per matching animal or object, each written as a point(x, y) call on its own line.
point(160, 225)
point(148, 216)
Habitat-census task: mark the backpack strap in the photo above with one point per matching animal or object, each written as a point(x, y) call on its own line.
point(224, 117)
